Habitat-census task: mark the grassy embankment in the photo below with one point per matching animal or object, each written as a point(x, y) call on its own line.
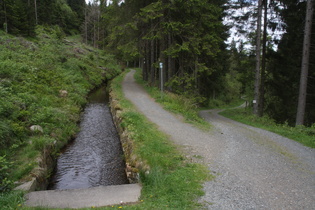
point(32, 74)
point(302, 134)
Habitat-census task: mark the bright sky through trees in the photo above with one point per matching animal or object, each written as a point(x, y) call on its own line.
point(91, 1)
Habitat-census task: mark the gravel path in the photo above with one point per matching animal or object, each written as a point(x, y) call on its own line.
point(254, 168)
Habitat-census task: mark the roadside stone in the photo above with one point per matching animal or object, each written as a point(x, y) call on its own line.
point(63, 93)
point(36, 128)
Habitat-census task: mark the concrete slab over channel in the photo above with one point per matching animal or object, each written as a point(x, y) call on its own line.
point(83, 198)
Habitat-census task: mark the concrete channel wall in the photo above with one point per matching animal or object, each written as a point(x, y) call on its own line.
point(134, 164)
point(38, 179)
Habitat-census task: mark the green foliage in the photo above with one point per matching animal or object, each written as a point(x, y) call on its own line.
point(40, 142)
point(11, 200)
point(302, 134)
point(172, 182)
point(186, 86)
point(5, 183)
point(6, 133)
point(21, 17)
point(54, 32)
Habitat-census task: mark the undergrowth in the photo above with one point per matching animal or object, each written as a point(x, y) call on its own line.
point(172, 182)
point(302, 134)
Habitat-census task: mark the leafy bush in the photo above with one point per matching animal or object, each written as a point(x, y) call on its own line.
point(5, 183)
point(6, 133)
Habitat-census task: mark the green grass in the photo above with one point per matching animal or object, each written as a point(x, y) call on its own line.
point(11, 200)
point(302, 134)
point(14, 200)
point(175, 103)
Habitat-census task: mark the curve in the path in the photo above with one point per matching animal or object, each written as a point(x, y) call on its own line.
point(255, 169)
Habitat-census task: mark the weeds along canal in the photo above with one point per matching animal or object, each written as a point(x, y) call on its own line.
point(95, 157)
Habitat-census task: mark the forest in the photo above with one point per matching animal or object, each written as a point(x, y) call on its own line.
point(188, 39)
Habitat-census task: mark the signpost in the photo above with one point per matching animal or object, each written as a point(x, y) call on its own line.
point(161, 70)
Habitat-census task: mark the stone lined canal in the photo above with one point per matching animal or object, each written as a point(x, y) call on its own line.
point(95, 157)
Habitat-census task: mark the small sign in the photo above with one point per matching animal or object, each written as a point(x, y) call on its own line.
point(254, 101)
point(161, 65)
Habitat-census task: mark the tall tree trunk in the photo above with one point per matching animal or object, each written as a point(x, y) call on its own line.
point(98, 26)
point(169, 59)
point(305, 63)
point(147, 60)
point(85, 26)
point(263, 63)
point(258, 61)
point(152, 68)
point(5, 18)
point(94, 31)
point(35, 6)
point(196, 76)
point(163, 60)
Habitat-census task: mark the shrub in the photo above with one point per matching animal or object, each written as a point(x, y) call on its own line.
point(6, 133)
point(5, 183)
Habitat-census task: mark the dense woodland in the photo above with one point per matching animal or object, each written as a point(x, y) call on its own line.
point(189, 38)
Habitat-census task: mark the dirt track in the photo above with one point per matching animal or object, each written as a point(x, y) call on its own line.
point(254, 169)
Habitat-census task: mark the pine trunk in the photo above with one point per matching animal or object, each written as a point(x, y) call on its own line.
point(35, 5)
point(258, 61)
point(169, 59)
point(5, 18)
point(263, 63)
point(152, 69)
point(305, 63)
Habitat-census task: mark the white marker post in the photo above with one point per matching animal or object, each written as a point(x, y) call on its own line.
point(161, 70)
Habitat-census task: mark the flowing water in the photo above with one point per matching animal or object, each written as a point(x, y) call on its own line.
point(95, 157)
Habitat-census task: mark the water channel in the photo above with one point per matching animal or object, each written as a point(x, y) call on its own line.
point(95, 157)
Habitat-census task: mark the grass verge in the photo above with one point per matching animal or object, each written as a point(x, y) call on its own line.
point(302, 134)
point(173, 182)
point(174, 103)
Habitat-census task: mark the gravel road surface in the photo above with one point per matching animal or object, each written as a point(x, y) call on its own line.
point(254, 168)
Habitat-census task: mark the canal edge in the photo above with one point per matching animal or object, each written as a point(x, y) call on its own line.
point(134, 164)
